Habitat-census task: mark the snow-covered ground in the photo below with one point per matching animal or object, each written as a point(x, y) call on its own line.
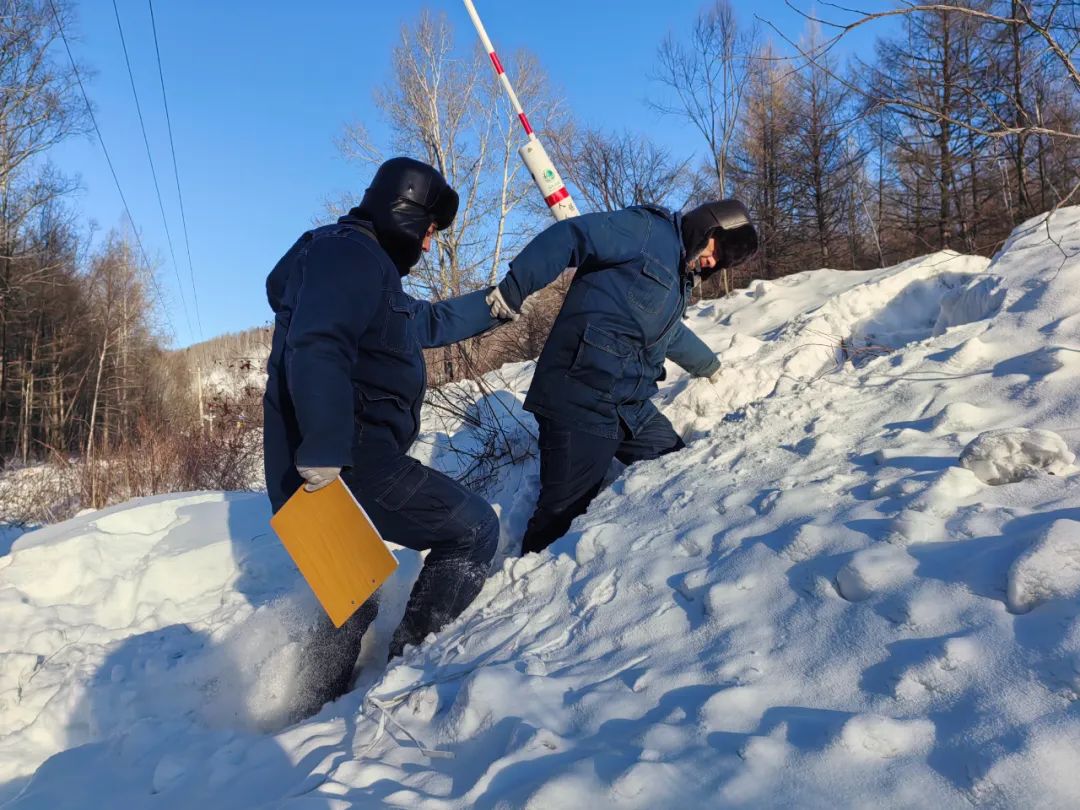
point(829, 599)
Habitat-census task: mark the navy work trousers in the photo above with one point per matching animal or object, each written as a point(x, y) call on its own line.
point(572, 468)
point(422, 509)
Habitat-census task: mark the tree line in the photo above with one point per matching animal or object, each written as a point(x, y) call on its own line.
point(81, 363)
point(963, 122)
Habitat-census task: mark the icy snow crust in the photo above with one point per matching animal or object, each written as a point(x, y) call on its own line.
point(813, 605)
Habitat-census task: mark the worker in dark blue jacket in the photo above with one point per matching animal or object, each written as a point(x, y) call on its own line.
point(347, 378)
point(621, 318)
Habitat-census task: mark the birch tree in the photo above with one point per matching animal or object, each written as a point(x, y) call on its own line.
point(445, 106)
point(38, 109)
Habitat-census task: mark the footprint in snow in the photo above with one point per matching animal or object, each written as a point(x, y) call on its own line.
point(943, 675)
point(873, 737)
point(602, 591)
point(594, 542)
point(873, 571)
point(744, 670)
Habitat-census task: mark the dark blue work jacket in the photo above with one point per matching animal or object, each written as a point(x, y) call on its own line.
point(621, 318)
point(346, 374)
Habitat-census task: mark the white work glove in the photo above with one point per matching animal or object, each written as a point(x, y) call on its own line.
point(716, 375)
point(499, 308)
point(318, 477)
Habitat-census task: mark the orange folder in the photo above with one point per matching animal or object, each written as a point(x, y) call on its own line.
point(336, 547)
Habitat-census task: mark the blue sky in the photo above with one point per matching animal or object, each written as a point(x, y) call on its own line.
point(259, 91)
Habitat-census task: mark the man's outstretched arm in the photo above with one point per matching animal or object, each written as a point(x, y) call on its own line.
point(445, 322)
point(690, 352)
point(586, 242)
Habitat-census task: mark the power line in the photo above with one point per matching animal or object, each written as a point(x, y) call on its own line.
point(112, 169)
point(153, 171)
point(176, 173)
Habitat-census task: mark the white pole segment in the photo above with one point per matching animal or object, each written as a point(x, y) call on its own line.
point(495, 63)
point(535, 157)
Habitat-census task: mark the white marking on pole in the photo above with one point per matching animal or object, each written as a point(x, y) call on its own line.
point(499, 71)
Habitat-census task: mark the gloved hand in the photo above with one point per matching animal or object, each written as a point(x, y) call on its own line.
point(716, 375)
point(318, 477)
point(499, 308)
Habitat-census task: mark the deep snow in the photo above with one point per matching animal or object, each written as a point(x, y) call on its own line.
point(814, 605)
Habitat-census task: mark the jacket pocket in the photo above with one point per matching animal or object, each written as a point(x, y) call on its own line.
point(600, 361)
point(375, 406)
point(397, 325)
point(651, 289)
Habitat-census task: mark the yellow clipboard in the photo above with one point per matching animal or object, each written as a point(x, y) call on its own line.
point(336, 547)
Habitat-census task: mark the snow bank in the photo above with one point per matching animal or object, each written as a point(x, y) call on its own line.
point(184, 610)
point(1010, 455)
point(1042, 773)
point(813, 605)
point(1049, 569)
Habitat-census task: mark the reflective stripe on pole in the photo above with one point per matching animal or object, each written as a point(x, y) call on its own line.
point(535, 157)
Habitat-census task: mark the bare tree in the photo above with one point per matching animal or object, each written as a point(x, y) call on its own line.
point(446, 108)
point(50, 353)
point(518, 211)
point(764, 163)
point(999, 111)
point(117, 310)
point(821, 123)
point(704, 79)
point(38, 108)
point(616, 170)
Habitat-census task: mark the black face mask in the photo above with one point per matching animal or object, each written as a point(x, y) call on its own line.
point(729, 222)
point(404, 199)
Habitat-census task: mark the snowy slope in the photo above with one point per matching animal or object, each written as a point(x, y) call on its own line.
point(814, 605)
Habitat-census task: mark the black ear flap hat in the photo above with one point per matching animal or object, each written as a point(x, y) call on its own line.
point(405, 197)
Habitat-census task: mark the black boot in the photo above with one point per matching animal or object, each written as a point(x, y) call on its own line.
point(329, 659)
point(446, 586)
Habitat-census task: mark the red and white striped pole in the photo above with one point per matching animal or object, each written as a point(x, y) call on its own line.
point(535, 157)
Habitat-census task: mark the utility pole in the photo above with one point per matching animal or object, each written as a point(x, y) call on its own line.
point(198, 383)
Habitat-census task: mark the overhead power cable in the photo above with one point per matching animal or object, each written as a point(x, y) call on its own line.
point(153, 171)
point(176, 173)
point(112, 169)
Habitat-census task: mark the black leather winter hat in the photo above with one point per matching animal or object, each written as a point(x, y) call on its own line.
point(405, 197)
point(729, 220)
